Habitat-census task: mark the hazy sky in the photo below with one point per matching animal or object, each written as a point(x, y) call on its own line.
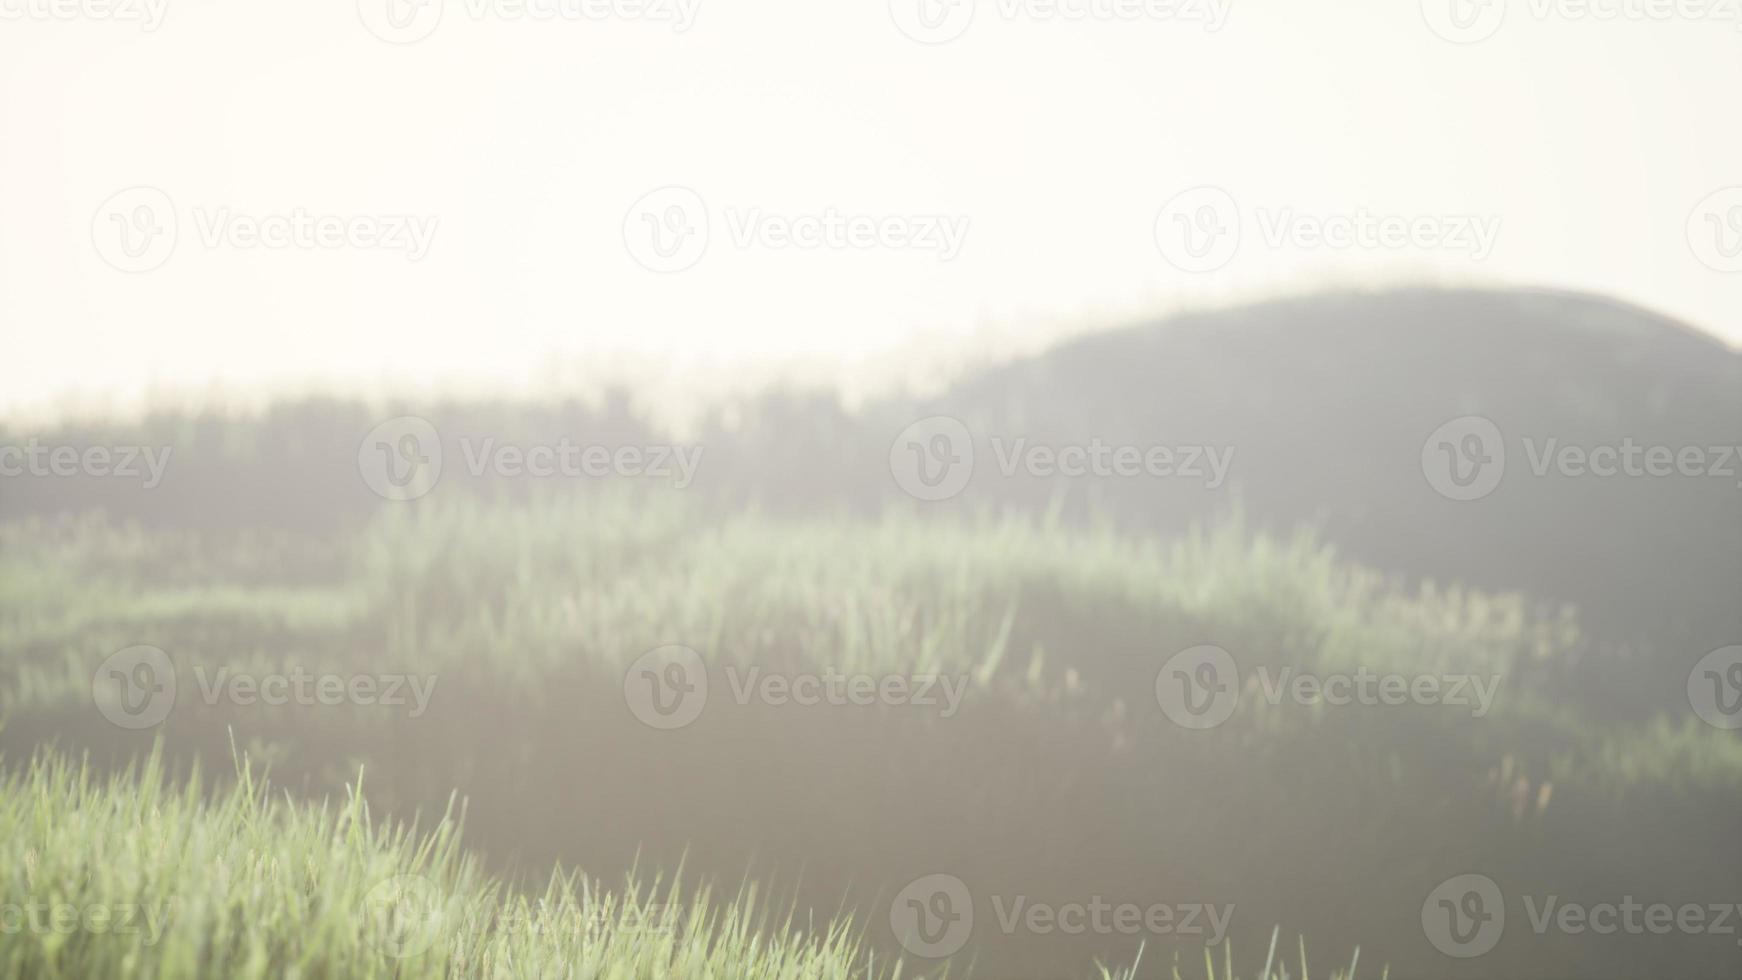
point(475, 201)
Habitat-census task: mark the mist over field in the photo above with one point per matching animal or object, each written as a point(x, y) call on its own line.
point(978, 489)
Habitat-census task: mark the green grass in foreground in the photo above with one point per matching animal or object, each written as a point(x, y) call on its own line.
point(123, 877)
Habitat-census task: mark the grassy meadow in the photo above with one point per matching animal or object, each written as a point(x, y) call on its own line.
point(779, 833)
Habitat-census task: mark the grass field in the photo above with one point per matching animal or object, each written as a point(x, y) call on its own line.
point(1053, 775)
point(140, 875)
point(242, 884)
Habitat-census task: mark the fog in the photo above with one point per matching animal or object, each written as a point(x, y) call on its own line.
point(526, 133)
point(994, 488)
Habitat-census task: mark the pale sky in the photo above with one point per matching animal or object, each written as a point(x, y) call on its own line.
point(487, 183)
